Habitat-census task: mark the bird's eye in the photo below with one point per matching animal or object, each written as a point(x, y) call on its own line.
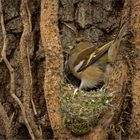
point(77, 41)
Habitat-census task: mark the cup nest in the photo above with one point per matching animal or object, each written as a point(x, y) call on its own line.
point(83, 110)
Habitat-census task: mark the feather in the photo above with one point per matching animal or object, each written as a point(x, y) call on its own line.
point(93, 55)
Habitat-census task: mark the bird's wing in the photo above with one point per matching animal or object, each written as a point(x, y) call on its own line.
point(84, 55)
point(92, 56)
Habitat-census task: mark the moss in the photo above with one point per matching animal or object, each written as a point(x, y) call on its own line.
point(77, 125)
point(82, 112)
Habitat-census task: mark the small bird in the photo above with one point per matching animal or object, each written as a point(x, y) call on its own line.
point(81, 45)
point(89, 64)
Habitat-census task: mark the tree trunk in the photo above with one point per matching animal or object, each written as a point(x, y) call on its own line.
point(33, 37)
point(54, 65)
point(135, 121)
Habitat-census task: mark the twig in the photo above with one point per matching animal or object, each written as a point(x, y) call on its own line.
point(24, 116)
point(29, 67)
point(70, 27)
point(12, 116)
point(28, 57)
point(33, 105)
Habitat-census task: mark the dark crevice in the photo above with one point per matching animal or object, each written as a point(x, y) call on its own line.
point(13, 18)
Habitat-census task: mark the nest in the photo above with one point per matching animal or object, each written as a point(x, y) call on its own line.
point(82, 111)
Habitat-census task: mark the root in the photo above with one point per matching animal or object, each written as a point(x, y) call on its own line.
point(12, 83)
point(6, 122)
point(3, 114)
point(26, 69)
point(25, 107)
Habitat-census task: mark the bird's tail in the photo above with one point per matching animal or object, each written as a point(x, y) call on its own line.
point(114, 48)
point(122, 31)
point(111, 47)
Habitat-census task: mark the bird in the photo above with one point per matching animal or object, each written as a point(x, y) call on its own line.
point(89, 63)
point(81, 44)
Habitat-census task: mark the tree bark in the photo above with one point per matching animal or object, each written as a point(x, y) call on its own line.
point(53, 65)
point(135, 25)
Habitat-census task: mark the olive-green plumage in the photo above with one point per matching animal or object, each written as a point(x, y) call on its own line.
point(89, 64)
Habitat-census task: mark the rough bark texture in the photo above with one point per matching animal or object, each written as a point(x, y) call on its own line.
point(54, 65)
point(135, 24)
point(40, 68)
